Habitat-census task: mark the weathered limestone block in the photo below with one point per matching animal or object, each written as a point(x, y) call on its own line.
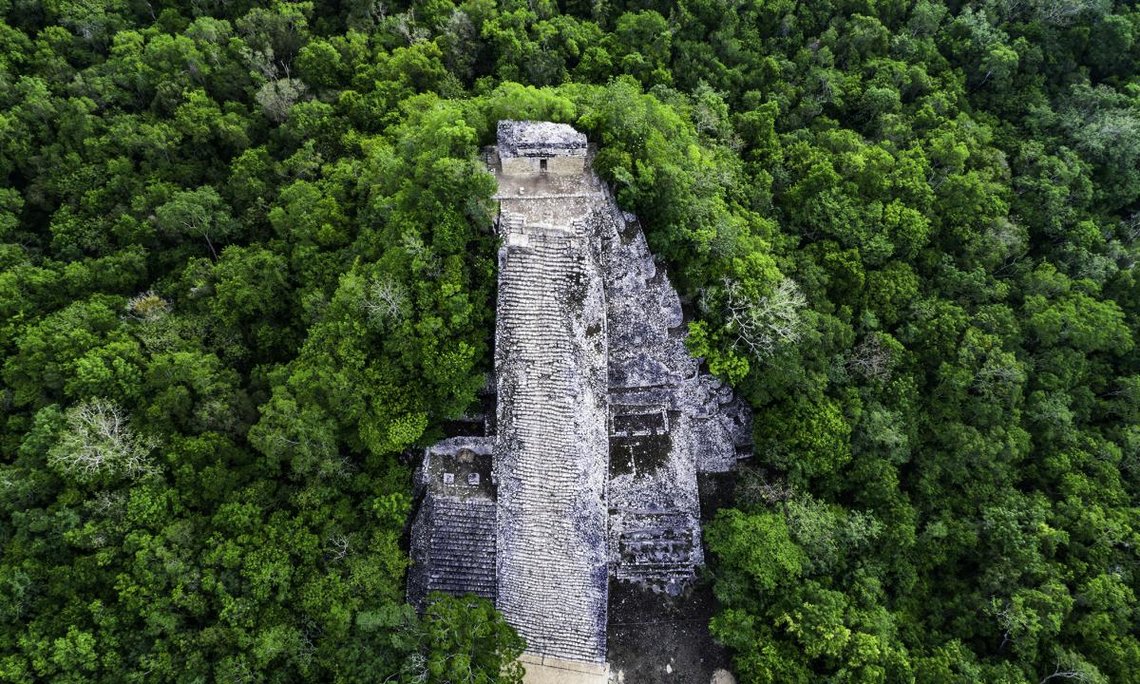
point(528, 148)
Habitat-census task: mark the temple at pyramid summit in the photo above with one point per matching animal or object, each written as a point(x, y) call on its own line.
point(586, 471)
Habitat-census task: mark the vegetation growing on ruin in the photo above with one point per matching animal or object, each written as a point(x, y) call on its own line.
point(246, 262)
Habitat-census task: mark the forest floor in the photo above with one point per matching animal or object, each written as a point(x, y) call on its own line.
point(660, 639)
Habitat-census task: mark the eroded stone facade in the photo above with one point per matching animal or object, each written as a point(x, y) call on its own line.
point(603, 419)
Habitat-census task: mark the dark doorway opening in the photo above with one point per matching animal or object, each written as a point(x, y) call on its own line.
point(542, 165)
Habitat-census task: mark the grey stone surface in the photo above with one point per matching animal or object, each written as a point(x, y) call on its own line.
point(603, 420)
point(551, 446)
point(539, 139)
point(454, 532)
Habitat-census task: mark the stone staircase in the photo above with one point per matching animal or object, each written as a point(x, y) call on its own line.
point(551, 586)
point(659, 549)
point(462, 547)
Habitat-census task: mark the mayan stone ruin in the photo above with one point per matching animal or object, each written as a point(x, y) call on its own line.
point(586, 471)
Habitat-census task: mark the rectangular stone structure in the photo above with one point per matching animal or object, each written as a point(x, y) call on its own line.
point(453, 535)
point(528, 148)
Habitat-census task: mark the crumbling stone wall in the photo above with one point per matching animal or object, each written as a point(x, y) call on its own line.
point(654, 535)
point(535, 148)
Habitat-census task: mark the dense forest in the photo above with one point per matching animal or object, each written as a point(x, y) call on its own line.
point(247, 264)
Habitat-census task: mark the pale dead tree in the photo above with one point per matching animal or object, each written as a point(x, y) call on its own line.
point(363, 16)
point(100, 441)
point(1067, 674)
point(278, 97)
point(337, 468)
point(17, 586)
point(241, 672)
point(147, 307)
point(305, 446)
point(385, 300)
point(1010, 618)
point(265, 64)
point(456, 34)
point(416, 668)
point(406, 27)
point(755, 489)
point(262, 65)
point(1054, 12)
point(1131, 227)
point(871, 359)
point(764, 324)
point(89, 19)
point(338, 547)
point(1098, 268)
point(1011, 10)
point(307, 649)
point(1064, 12)
point(1072, 667)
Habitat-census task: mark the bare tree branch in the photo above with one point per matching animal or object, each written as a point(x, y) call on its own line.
point(764, 324)
point(386, 300)
point(99, 441)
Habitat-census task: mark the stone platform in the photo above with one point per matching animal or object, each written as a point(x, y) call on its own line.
point(548, 670)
